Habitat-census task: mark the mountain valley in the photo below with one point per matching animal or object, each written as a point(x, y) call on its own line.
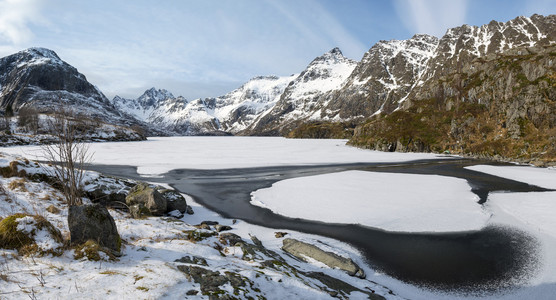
point(485, 91)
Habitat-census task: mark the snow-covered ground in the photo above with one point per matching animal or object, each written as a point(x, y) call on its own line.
point(159, 155)
point(147, 270)
point(426, 203)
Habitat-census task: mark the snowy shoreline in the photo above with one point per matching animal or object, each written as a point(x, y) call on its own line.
point(161, 155)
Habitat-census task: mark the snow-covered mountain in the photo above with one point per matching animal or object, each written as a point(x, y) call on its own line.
point(335, 88)
point(256, 103)
point(486, 91)
point(386, 74)
point(38, 78)
point(390, 77)
point(176, 115)
point(228, 113)
point(305, 97)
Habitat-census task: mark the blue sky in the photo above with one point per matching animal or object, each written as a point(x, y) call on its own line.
point(205, 48)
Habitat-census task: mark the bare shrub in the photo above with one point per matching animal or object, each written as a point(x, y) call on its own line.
point(68, 155)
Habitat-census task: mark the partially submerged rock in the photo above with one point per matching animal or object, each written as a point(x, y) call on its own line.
point(145, 196)
point(93, 222)
point(304, 250)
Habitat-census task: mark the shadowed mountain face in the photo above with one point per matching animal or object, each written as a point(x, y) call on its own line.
point(38, 78)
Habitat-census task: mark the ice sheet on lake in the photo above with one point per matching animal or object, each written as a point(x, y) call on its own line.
point(533, 212)
point(161, 154)
point(394, 202)
point(534, 209)
point(543, 177)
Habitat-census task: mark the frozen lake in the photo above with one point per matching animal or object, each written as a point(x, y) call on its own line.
point(420, 218)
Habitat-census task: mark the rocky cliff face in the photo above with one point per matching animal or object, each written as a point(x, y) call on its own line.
point(39, 72)
point(384, 77)
point(488, 91)
point(38, 78)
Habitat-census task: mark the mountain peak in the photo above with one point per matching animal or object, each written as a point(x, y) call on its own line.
point(41, 52)
point(156, 94)
point(336, 51)
point(333, 56)
point(33, 57)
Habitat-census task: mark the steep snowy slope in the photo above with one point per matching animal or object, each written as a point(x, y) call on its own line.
point(239, 108)
point(305, 98)
point(386, 74)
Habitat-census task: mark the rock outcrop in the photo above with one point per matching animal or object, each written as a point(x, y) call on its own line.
point(492, 97)
point(93, 222)
point(305, 252)
point(38, 79)
point(144, 200)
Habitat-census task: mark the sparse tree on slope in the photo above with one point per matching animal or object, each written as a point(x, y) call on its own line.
point(68, 155)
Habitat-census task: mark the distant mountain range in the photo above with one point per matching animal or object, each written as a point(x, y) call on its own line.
point(478, 90)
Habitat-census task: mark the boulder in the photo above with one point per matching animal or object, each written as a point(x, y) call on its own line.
point(139, 211)
point(104, 195)
point(175, 201)
point(230, 239)
point(220, 228)
point(303, 250)
point(280, 234)
point(151, 199)
point(93, 222)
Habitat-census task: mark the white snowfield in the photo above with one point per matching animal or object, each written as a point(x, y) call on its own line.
point(162, 154)
point(393, 202)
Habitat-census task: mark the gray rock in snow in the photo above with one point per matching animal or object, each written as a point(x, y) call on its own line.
point(303, 250)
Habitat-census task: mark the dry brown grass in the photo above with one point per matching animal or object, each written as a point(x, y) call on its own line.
point(18, 184)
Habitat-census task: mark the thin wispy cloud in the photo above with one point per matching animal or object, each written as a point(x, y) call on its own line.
point(15, 19)
point(431, 16)
point(200, 48)
point(320, 26)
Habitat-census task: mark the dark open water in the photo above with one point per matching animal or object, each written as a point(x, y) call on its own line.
point(491, 259)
